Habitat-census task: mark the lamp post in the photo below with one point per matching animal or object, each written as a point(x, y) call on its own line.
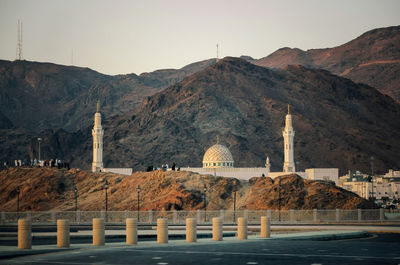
point(372, 178)
point(39, 140)
point(105, 188)
point(234, 207)
point(138, 202)
point(18, 191)
point(205, 203)
point(76, 203)
point(279, 199)
point(76, 199)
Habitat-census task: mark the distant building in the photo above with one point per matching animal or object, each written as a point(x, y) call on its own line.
point(384, 189)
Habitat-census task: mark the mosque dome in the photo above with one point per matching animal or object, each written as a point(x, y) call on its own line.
point(217, 156)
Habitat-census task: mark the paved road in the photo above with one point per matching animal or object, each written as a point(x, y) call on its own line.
point(378, 249)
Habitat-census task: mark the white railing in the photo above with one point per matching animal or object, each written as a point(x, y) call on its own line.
point(205, 217)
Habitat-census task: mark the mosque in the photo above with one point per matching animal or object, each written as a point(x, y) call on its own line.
point(218, 160)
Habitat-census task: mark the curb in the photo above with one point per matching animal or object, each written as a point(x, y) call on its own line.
point(328, 237)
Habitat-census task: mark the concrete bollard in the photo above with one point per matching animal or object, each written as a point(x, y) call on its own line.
point(217, 229)
point(191, 232)
point(131, 231)
point(242, 228)
point(265, 227)
point(63, 234)
point(162, 230)
point(98, 232)
point(24, 234)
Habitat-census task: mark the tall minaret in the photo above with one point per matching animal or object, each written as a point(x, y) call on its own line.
point(97, 134)
point(288, 135)
point(268, 164)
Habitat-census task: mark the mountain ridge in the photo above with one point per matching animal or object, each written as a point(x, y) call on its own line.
point(245, 105)
point(372, 58)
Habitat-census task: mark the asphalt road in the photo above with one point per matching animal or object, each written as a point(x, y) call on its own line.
point(378, 249)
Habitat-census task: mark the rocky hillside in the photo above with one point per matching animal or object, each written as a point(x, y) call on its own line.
point(52, 189)
point(338, 123)
point(373, 59)
point(38, 96)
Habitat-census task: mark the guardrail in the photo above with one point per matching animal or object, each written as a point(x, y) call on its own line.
point(205, 217)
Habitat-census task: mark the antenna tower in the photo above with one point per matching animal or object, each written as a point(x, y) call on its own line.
point(19, 43)
point(217, 52)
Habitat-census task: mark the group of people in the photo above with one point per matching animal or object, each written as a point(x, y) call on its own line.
point(164, 167)
point(39, 163)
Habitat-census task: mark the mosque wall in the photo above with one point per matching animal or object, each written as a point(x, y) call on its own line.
point(331, 174)
point(239, 173)
point(122, 171)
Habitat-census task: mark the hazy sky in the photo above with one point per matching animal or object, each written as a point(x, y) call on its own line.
point(117, 37)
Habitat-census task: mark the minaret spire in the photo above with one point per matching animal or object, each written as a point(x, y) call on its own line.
point(288, 108)
point(97, 133)
point(288, 136)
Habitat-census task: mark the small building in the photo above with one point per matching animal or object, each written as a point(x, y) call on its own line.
point(384, 189)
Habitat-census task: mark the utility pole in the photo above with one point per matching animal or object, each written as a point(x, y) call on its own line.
point(234, 207)
point(138, 202)
point(372, 178)
point(39, 140)
point(105, 188)
point(19, 42)
point(279, 199)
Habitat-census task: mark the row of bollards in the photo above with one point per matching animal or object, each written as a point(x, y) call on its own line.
point(63, 231)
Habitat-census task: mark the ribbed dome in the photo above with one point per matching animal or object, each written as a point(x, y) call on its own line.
point(217, 156)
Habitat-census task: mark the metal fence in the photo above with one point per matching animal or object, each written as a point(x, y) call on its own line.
point(205, 217)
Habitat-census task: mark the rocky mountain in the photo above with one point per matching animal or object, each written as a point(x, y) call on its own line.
point(38, 96)
point(44, 189)
point(373, 58)
point(338, 123)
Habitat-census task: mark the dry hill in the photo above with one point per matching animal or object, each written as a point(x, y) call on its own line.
point(52, 189)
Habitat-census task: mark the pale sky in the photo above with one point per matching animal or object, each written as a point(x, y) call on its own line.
point(119, 37)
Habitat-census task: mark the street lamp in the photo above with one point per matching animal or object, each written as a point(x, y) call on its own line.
point(234, 207)
point(105, 188)
point(138, 202)
point(372, 178)
point(18, 191)
point(279, 199)
point(76, 199)
point(205, 203)
point(39, 140)
point(76, 203)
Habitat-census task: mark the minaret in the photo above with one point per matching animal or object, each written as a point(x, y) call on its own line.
point(268, 164)
point(288, 135)
point(97, 134)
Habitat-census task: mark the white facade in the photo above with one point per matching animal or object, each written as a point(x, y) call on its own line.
point(288, 136)
point(121, 171)
point(331, 174)
point(97, 133)
point(384, 189)
point(241, 173)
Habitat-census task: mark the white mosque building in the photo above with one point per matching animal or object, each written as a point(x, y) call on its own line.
point(218, 160)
